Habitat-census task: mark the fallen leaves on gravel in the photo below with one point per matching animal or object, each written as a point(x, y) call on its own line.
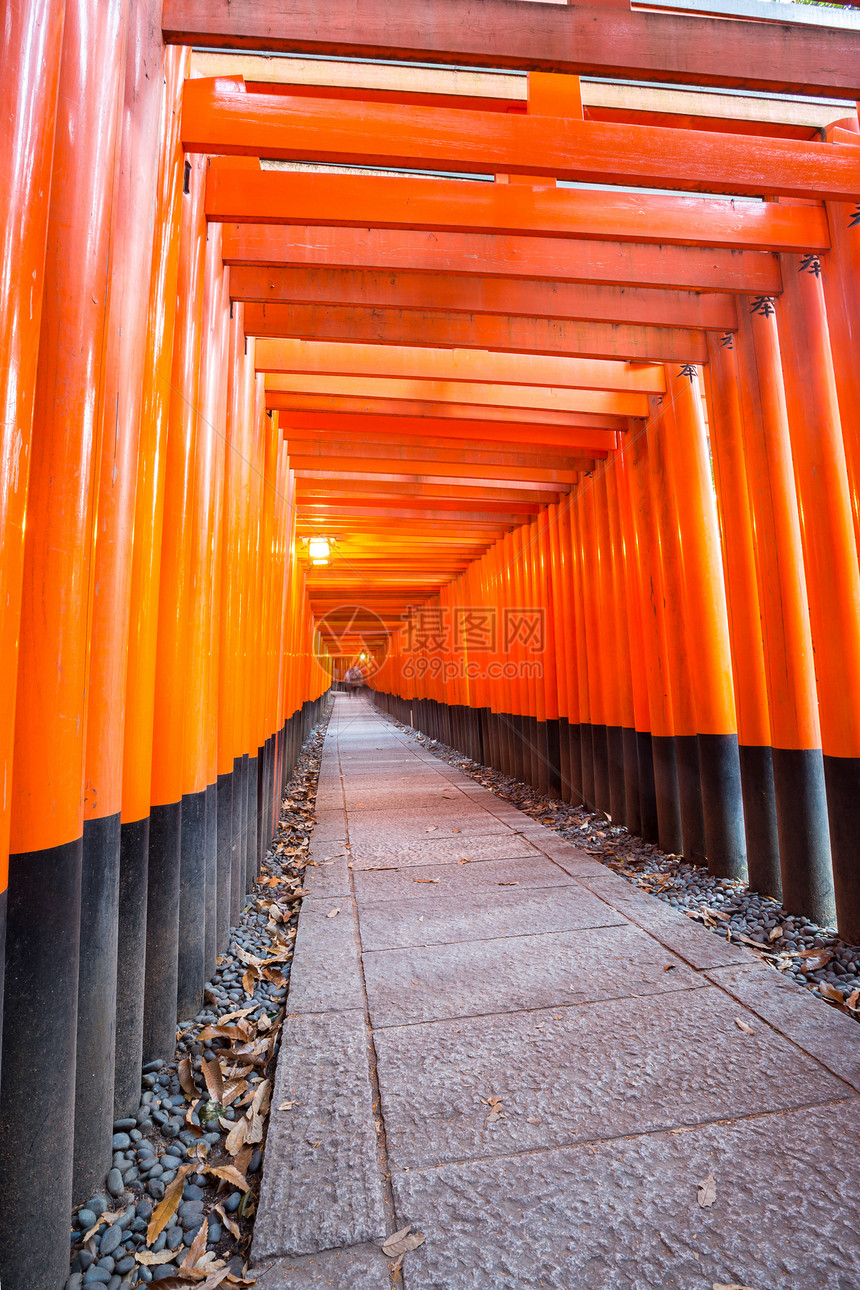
point(149, 1259)
point(214, 1080)
point(167, 1206)
point(707, 1192)
point(402, 1242)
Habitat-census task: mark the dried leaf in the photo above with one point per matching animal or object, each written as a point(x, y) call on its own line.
point(229, 1173)
point(107, 1218)
point(431, 828)
point(707, 1193)
point(465, 860)
point(167, 1207)
point(197, 1248)
point(186, 1079)
point(214, 1080)
point(742, 1025)
point(508, 884)
point(258, 1112)
point(815, 959)
point(152, 1260)
point(232, 1228)
point(830, 992)
point(401, 1242)
point(425, 879)
point(774, 934)
point(852, 1000)
point(333, 913)
point(287, 1106)
point(243, 956)
point(237, 1136)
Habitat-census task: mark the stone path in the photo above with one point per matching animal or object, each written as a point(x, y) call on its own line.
point(451, 951)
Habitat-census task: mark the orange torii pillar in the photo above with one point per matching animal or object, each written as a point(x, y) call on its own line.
point(798, 768)
point(830, 560)
point(664, 765)
point(30, 49)
point(685, 448)
point(171, 673)
point(43, 946)
point(661, 427)
point(145, 581)
point(122, 377)
point(748, 670)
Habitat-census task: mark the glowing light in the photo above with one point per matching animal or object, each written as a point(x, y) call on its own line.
point(319, 549)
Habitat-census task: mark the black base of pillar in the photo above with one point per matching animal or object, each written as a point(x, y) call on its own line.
point(804, 838)
point(842, 778)
point(600, 761)
point(760, 827)
point(667, 797)
point(37, 1102)
point(131, 966)
point(237, 839)
point(574, 738)
point(630, 755)
point(192, 905)
point(96, 1042)
point(162, 933)
point(586, 748)
point(224, 793)
point(615, 759)
point(211, 939)
point(649, 827)
point(690, 794)
point(722, 805)
point(553, 759)
point(251, 825)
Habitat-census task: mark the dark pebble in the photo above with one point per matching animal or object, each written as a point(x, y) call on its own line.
point(98, 1204)
point(114, 1182)
point(74, 1281)
point(86, 1219)
point(161, 1274)
point(192, 1192)
point(255, 1162)
point(144, 1274)
point(233, 1201)
point(122, 1126)
point(127, 1264)
point(150, 1067)
point(96, 1276)
point(155, 1189)
point(111, 1239)
point(214, 1233)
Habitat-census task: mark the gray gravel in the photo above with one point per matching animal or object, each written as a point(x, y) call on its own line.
point(813, 956)
point(150, 1148)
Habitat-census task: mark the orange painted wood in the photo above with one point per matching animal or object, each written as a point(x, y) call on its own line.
point(593, 41)
point(377, 465)
point(477, 295)
point(575, 440)
point(409, 203)
point(559, 260)
point(436, 329)
point(547, 402)
point(216, 119)
point(379, 446)
point(411, 362)
point(506, 424)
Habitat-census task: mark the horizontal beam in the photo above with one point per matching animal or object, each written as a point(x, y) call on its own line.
point(489, 505)
point(376, 465)
point(406, 453)
point(217, 119)
point(507, 424)
point(333, 423)
point(452, 206)
point(751, 272)
point(599, 41)
point(314, 487)
point(516, 399)
point(505, 335)
point(415, 363)
point(479, 295)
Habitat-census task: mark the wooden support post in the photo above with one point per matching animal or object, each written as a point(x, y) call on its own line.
point(685, 448)
point(119, 434)
point(621, 635)
point(830, 560)
point(171, 676)
point(662, 425)
point(30, 51)
point(652, 603)
point(798, 769)
point(742, 601)
point(145, 580)
point(43, 945)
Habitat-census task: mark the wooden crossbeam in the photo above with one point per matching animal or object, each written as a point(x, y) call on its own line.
point(309, 425)
point(470, 295)
point(454, 206)
point(216, 119)
point(411, 363)
point(594, 41)
point(454, 420)
point(506, 335)
point(555, 259)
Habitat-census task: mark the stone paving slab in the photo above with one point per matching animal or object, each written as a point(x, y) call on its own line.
point(543, 971)
point(691, 941)
point(462, 880)
point(326, 971)
point(363, 1267)
point(433, 919)
point(384, 851)
point(370, 826)
point(583, 1073)
point(828, 1035)
point(327, 1190)
point(623, 1215)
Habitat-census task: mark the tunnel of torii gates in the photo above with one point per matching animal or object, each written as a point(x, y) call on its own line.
point(328, 358)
